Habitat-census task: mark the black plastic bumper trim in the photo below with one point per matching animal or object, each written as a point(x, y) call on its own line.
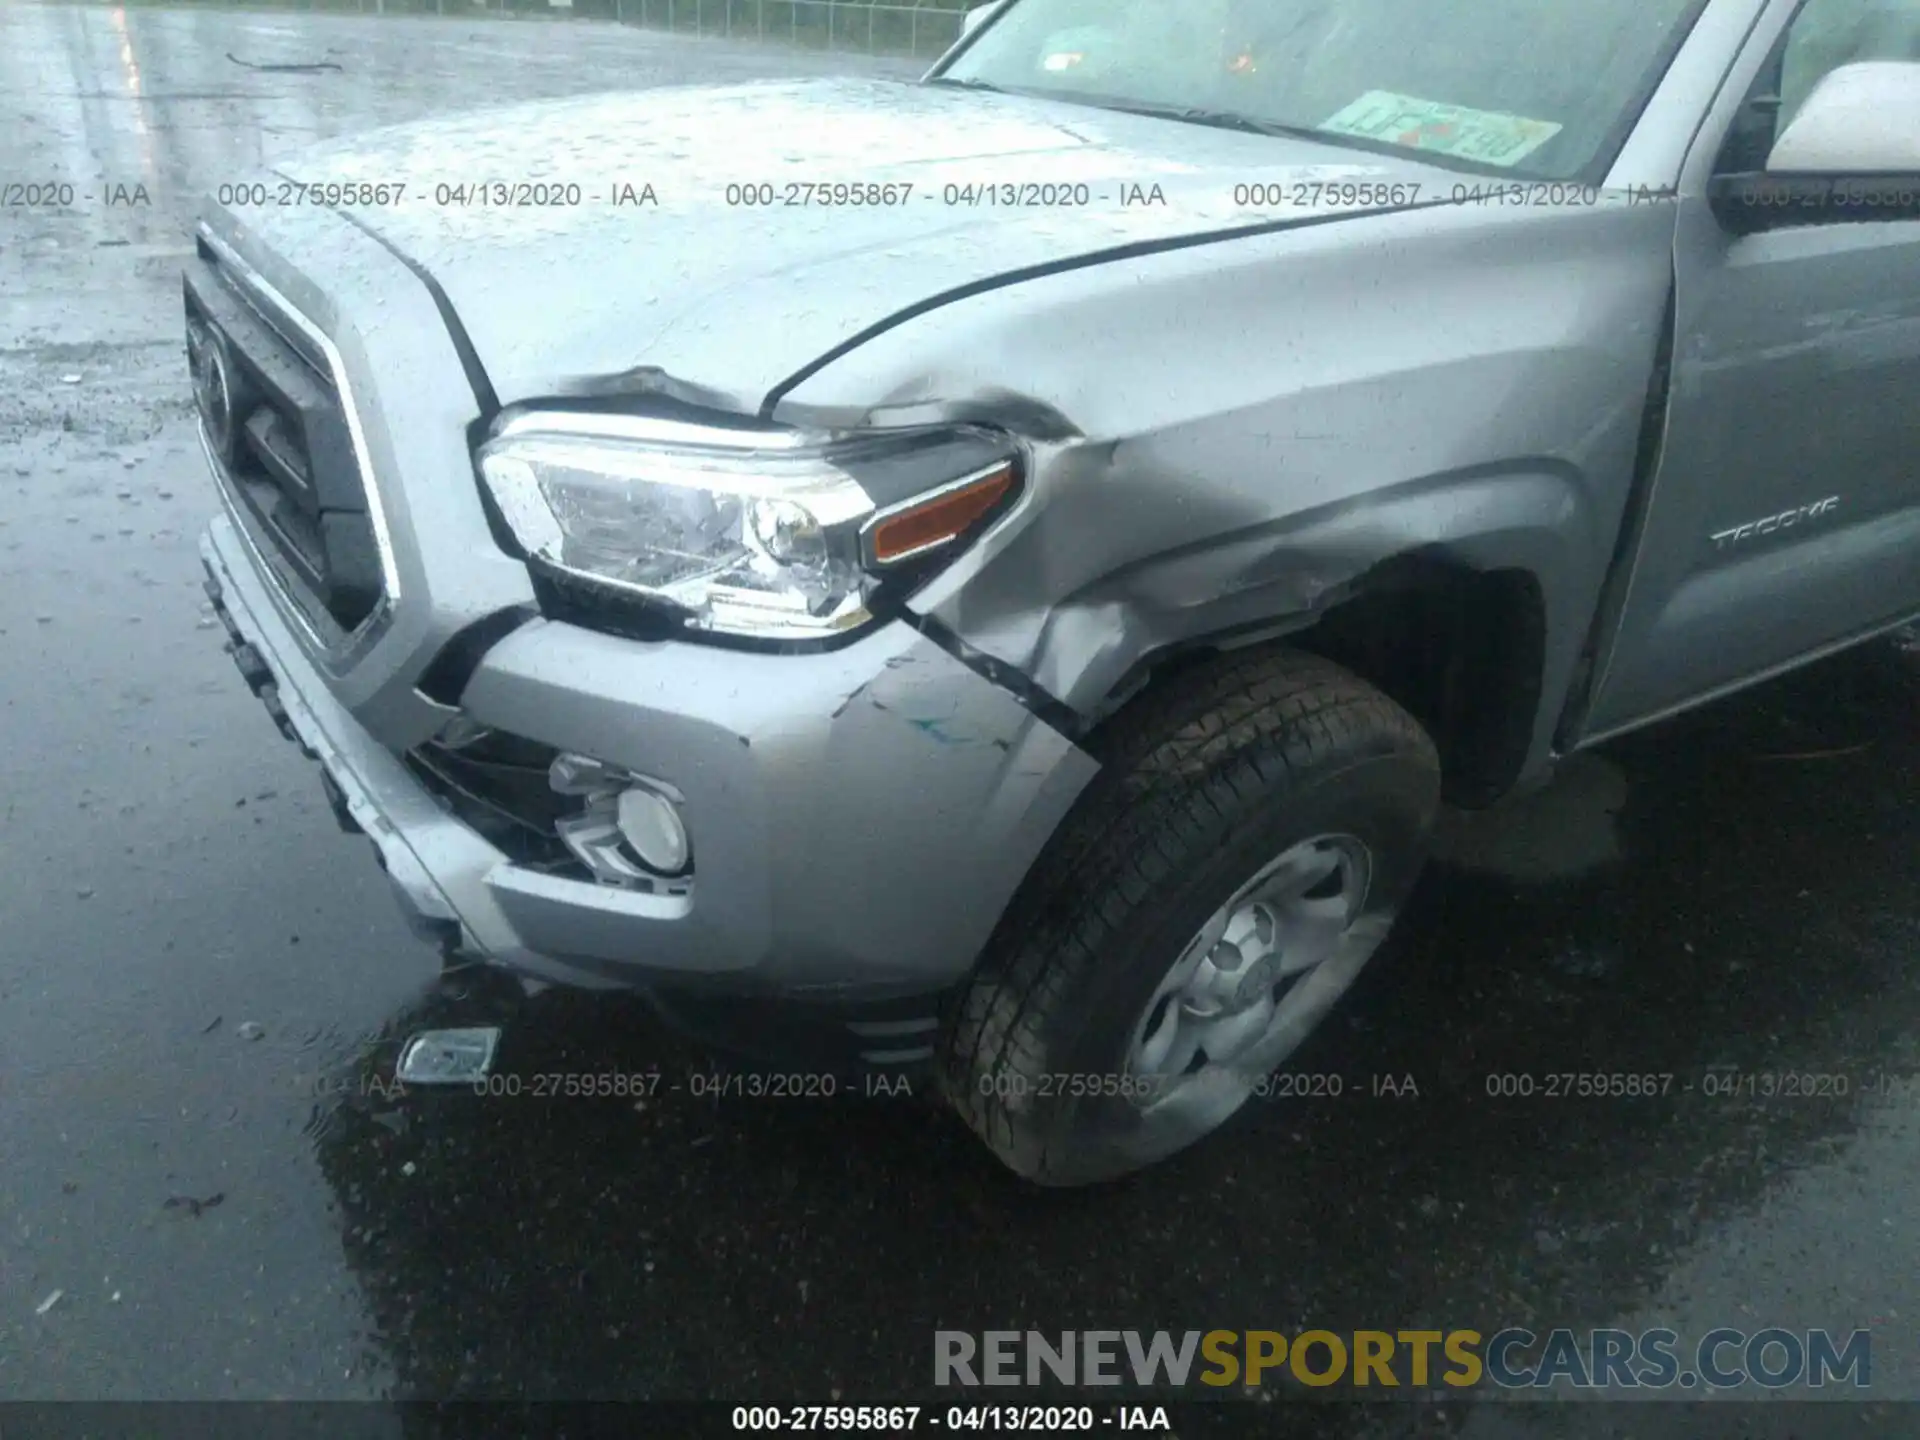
point(1010, 678)
point(446, 676)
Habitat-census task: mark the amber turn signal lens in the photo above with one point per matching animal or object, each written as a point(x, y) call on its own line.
point(935, 521)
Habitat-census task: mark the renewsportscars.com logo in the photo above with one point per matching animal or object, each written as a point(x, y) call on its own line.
point(1510, 1359)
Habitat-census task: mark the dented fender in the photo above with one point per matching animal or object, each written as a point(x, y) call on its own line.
point(1235, 437)
point(1252, 577)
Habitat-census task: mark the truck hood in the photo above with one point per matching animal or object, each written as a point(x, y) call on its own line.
point(654, 271)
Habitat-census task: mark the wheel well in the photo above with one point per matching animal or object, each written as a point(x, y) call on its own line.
point(1460, 650)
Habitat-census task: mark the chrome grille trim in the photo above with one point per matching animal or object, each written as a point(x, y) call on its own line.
point(279, 312)
point(333, 655)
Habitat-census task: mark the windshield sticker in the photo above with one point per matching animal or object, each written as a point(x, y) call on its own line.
point(1484, 135)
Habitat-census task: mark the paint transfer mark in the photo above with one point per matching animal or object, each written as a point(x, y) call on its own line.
point(935, 727)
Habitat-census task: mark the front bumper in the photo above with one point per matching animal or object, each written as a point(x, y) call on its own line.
point(859, 818)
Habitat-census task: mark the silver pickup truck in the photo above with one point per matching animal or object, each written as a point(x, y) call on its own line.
point(996, 575)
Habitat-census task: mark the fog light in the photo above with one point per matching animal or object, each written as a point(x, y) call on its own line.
point(651, 825)
point(628, 830)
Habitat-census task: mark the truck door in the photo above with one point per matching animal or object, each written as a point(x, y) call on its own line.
point(1785, 513)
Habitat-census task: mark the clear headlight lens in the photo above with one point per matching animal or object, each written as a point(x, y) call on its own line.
point(759, 533)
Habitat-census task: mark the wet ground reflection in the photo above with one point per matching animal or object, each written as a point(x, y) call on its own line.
point(1760, 917)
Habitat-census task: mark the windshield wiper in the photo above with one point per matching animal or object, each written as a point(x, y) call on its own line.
point(970, 85)
point(1187, 114)
point(1218, 119)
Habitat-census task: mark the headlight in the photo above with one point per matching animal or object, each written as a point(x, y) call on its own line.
point(764, 533)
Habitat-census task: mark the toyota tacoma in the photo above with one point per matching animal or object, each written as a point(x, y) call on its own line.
point(996, 575)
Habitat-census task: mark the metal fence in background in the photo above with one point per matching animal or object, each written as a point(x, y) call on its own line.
point(861, 25)
point(911, 28)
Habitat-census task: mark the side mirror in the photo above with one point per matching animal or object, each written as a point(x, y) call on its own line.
point(1860, 120)
point(1852, 153)
point(978, 16)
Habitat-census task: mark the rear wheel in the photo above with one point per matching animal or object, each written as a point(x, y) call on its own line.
point(1242, 855)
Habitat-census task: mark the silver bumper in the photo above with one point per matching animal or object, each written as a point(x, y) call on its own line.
point(859, 818)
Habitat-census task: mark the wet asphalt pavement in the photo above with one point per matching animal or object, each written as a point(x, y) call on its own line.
point(202, 982)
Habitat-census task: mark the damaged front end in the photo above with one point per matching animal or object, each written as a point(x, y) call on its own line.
point(716, 757)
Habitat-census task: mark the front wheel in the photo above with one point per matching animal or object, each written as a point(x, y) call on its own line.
point(1258, 824)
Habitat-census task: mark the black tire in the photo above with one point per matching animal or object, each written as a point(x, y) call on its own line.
point(1205, 780)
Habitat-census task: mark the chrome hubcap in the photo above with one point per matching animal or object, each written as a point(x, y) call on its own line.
point(1246, 989)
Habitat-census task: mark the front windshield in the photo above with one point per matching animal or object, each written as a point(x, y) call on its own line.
point(1516, 87)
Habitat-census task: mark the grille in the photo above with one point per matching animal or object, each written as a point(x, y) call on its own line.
point(280, 440)
point(498, 786)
